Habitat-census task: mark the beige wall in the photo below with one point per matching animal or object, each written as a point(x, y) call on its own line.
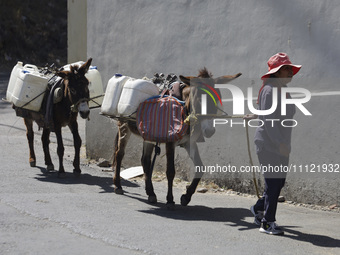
point(76, 30)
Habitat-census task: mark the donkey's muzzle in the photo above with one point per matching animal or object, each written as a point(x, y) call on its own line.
point(84, 110)
point(208, 128)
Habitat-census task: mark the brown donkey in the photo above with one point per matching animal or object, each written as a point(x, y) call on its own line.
point(202, 129)
point(74, 99)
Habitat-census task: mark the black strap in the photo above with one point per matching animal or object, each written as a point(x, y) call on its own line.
point(55, 82)
point(157, 152)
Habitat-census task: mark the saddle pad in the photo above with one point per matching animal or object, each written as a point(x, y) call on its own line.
point(161, 119)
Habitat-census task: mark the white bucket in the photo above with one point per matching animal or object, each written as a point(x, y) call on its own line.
point(95, 87)
point(12, 80)
point(29, 88)
point(112, 95)
point(135, 91)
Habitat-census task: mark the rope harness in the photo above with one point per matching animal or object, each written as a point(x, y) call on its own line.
point(74, 107)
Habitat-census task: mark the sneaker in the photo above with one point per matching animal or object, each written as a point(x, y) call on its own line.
point(257, 216)
point(271, 228)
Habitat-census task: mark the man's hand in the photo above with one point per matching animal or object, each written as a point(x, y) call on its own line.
point(284, 150)
point(250, 116)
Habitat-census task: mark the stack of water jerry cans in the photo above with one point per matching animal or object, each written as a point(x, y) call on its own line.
point(27, 86)
point(124, 94)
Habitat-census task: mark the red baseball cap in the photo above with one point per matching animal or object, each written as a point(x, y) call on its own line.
point(277, 61)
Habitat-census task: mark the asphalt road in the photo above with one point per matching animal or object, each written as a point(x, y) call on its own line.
point(43, 214)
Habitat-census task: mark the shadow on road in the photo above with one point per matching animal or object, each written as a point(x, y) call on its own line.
point(199, 213)
point(105, 183)
point(234, 217)
point(318, 240)
point(291, 232)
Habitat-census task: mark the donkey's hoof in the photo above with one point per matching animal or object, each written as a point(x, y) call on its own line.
point(33, 163)
point(50, 168)
point(170, 206)
point(152, 199)
point(185, 200)
point(76, 172)
point(119, 191)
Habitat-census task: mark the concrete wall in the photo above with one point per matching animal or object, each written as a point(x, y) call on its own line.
point(77, 30)
point(139, 38)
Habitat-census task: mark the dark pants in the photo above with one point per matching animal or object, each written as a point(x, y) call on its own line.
point(274, 182)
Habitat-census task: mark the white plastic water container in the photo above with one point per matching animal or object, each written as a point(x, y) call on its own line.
point(29, 88)
point(112, 95)
point(135, 91)
point(95, 87)
point(12, 80)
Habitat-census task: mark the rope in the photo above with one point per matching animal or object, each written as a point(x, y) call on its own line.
point(32, 99)
point(251, 162)
point(92, 100)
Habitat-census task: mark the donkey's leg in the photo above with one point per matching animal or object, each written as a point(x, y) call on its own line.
point(121, 141)
point(193, 152)
point(113, 157)
point(170, 173)
point(45, 138)
point(60, 150)
point(146, 163)
point(77, 144)
point(30, 138)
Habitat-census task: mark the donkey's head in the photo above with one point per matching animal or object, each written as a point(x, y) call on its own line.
point(76, 88)
point(204, 83)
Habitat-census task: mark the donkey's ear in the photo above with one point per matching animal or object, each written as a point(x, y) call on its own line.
point(186, 98)
point(63, 74)
point(85, 67)
point(186, 79)
point(226, 78)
